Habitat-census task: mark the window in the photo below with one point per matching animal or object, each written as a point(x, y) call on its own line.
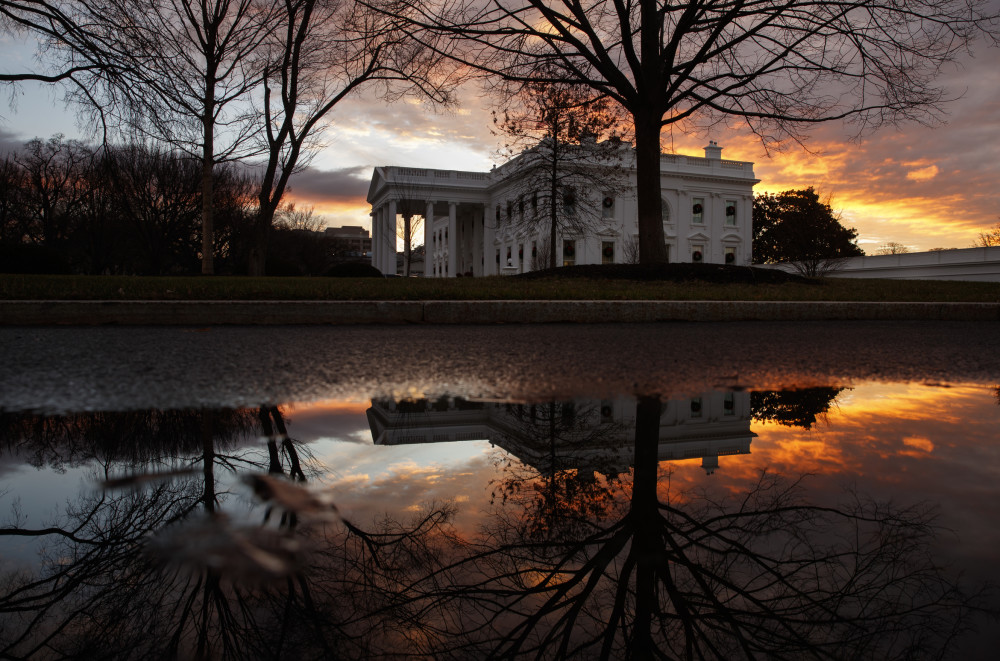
point(730, 254)
point(729, 404)
point(696, 407)
point(520, 205)
point(607, 411)
point(510, 209)
point(569, 253)
point(666, 251)
point(569, 201)
point(697, 253)
point(534, 201)
point(664, 210)
point(730, 212)
point(499, 217)
point(698, 210)
point(534, 249)
point(608, 206)
point(607, 252)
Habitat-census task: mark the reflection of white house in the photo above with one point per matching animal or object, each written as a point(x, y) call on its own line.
point(707, 205)
point(586, 435)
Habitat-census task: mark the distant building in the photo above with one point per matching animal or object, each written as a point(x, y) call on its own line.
point(353, 241)
point(707, 206)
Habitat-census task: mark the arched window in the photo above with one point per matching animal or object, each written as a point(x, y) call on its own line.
point(665, 210)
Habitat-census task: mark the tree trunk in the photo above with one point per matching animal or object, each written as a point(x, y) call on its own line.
point(207, 184)
point(407, 230)
point(650, 207)
point(645, 510)
point(257, 258)
point(553, 199)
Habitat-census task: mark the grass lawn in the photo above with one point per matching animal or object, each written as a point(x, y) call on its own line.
point(678, 283)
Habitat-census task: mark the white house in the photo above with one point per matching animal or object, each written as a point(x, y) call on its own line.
point(588, 435)
point(707, 206)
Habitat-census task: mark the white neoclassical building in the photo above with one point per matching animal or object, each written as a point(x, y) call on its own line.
point(469, 226)
point(587, 435)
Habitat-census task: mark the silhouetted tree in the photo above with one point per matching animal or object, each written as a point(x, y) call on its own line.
point(987, 238)
point(568, 159)
point(891, 248)
point(792, 408)
point(306, 79)
point(184, 72)
point(776, 66)
point(796, 226)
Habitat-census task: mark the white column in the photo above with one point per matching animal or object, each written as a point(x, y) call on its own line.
point(478, 248)
point(428, 241)
point(389, 240)
point(375, 236)
point(452, 238)
point(489, 234)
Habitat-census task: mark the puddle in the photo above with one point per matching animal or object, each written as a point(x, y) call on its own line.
point(855, 520)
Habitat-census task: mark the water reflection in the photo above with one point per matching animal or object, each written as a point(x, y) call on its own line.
point(587, 436)
point(216, 536)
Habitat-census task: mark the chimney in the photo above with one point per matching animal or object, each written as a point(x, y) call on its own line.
point(713, 150)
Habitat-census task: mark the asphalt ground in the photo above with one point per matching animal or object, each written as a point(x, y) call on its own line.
point(58, 369)
point(165, 313)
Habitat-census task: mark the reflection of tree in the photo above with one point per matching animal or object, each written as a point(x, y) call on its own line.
point(151, 566)
point(124, 438)
point(573, 562)
point(559, 483)
point(759, 574)
point(792, 408)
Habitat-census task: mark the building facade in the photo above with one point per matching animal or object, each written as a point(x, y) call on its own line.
point(353, 239)
point(475, 222)
point(585, 435)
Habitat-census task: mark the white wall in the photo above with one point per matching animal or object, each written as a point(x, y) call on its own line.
point(974, 264)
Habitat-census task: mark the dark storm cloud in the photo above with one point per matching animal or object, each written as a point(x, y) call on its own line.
point(346, 185)
point(10, 142)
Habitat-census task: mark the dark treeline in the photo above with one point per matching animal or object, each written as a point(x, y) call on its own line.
point(69, 207)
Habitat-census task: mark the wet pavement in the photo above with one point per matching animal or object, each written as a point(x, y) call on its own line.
point(61, 368)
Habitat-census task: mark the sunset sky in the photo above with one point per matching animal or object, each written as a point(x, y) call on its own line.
point(923, 186)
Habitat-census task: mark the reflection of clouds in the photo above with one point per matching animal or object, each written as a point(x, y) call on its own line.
point(342, 421)
point(906, 442)
point(367, 481)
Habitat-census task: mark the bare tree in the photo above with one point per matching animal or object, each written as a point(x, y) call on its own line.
point(990, 237)
point(320, 53)
point(892, 248)
point(568, 157)
point(54, 186)
point(53, 23)
point(775, 65)
point(184, 73)
point(409, 229)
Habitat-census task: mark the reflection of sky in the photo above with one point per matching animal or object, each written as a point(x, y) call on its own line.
point(909, 443)
point(39, 497)
point(905, 442)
